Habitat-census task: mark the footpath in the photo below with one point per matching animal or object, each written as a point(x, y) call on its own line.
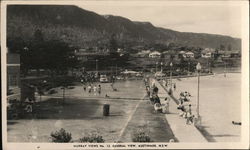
point(182, 131)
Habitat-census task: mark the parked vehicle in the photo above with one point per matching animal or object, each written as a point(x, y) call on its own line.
point(120, 78)
point(103, 79)
point(160, 74)
point(139, 75)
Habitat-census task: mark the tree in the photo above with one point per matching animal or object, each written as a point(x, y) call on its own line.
point(38, 36)
point(222, 47)
point(113, 44)
point(171, 46)
point(229, 47)
point(53, 55)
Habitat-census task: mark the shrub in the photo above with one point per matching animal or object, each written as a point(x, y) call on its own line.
point(61, 136)
point(141, 136)
point(92, 139)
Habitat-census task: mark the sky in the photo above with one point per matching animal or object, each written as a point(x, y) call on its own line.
point(201, 17)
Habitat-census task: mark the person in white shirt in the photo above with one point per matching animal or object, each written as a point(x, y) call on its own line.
point(95, 89)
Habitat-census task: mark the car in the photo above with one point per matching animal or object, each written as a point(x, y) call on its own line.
point(160, 74)
point(103, 79)
point(138, 75)
point(120, 78)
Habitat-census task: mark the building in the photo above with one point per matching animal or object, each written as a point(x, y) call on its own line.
point(170, 54)
point(235, 54)
point(225, 54)
point(155, 54)
point(143, 53)
point(13, 71)
point(207, 53)
point(189, 54)
point(182, 54)
point(85, 55)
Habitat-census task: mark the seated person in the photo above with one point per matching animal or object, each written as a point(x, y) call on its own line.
point(165, 106)
point(157, 107)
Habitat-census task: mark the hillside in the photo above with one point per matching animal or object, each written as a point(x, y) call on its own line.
point(83, 28)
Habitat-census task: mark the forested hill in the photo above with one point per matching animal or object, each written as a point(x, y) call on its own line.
point(83, 28)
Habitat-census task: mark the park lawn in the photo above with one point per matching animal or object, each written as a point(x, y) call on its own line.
point(80, 117)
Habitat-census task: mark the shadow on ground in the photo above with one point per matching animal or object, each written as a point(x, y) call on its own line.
point(206, 134)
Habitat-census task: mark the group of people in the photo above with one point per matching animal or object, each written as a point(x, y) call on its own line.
point(185, 109)
point(185, 96)
point(89, 77)
point(166, 83)
point(155, 100)
point(152, 93)
point(93, 88)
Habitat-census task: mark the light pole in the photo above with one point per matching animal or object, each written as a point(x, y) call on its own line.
point(198, 67)
point(171, 65)
point(161, 69)
point(156, 66)
point(116, 69)
point(209, 68)
point(188, 68)
point(96, 65)
point(225, 69)
point(161, 66)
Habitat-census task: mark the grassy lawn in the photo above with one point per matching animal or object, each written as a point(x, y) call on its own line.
point(82, 115)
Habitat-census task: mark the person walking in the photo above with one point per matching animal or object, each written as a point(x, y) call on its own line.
point(148, 90)
point(84, 88)
point(189, 115)
point(174, 86)
point(89, 88)
point(95, 89)
point(164, 82)
point(99, 89)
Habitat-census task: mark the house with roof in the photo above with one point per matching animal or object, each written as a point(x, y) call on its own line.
point(155, 54)
point(143, 53)
point(182, 54)
point(189, 54)
point(169, 54)
point(235, 54)
point(13, 70)
point(224, 54)
point(207, 53)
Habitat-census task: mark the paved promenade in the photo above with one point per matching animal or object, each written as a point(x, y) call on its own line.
point(220, 104)
point(182, 131)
